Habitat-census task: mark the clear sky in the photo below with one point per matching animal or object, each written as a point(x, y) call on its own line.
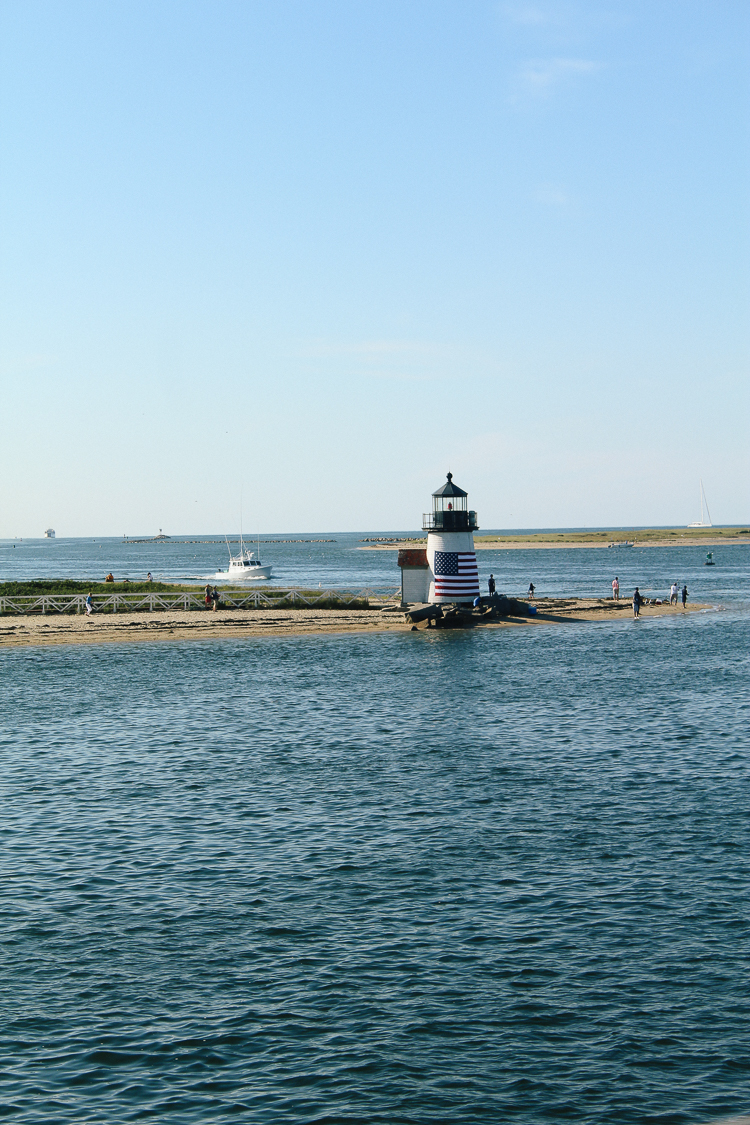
point(317, 253)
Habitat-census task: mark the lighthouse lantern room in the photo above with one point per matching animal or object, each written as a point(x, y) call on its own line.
point(454, 576)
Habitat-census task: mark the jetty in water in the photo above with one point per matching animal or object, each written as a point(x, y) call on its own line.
point(192, 542)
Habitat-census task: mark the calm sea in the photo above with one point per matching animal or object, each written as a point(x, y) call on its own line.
point(497, 876)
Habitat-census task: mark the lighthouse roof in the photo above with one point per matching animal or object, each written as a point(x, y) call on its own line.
point(450, 489)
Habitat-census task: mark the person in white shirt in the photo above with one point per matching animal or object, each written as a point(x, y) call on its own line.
point(673, 594)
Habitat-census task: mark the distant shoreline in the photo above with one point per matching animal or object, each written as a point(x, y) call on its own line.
point(649, 537)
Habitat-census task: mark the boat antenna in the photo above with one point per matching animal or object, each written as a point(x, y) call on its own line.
point(703, 497)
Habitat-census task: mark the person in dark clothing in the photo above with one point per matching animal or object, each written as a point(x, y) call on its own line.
point(684, 596)
point(637, 603)
point(491, 585)
point(531, 591)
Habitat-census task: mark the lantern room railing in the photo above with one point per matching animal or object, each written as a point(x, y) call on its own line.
point(449, 521)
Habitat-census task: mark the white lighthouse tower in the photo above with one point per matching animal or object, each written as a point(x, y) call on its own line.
point(450, 546)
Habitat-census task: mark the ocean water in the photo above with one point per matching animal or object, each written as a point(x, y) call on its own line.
point(493, 876)
point(345, 563)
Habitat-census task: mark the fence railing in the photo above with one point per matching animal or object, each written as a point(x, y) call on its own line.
point(253, 599)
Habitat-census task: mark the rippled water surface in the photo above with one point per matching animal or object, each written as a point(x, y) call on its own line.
point(496, 876)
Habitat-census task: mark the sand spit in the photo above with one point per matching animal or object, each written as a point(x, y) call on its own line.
point(176, 625)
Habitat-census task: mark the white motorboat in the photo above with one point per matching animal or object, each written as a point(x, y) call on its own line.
point(246, 565)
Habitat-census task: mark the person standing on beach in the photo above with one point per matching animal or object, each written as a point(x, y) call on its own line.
point(89, 604)
point(684, 596)
point(531, 591)
point(616, 588)
point(673, 594)
point(215, 597)
point(491, 585)
point(637, 602)
point(208, 596)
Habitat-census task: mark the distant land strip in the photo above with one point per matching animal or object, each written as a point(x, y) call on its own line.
point(617, 540)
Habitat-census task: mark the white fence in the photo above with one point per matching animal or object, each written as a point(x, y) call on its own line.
point(255, 599)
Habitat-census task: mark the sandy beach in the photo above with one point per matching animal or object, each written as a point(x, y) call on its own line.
point(179, 625)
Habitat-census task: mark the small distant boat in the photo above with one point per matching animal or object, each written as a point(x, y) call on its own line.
point(709, 559)
point(49, 533)
point(623, 543)
point(703, 522)
point(244, 566)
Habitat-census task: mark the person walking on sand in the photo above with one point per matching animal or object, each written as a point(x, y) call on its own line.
point(491, 585)
point(215, 597)
point(684, 596)
point(531, 591)
point(673, 594)
point(616, 588)
point(89, 604)
point(637, 603)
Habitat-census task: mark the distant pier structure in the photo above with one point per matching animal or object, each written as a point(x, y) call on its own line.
point(446, 571)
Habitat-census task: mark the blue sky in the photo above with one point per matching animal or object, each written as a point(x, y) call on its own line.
point(318, 253)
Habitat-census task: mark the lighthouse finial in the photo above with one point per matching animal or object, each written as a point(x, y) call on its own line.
point(450, 476)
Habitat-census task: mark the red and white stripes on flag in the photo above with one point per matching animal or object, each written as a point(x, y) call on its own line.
point(456, 574)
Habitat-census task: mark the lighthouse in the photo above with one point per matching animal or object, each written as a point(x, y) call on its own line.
point(450, 546)
point(447, 570)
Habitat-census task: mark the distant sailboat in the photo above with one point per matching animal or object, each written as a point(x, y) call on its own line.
point(703, 521)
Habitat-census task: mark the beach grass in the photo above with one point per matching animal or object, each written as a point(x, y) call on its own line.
point(40, 587)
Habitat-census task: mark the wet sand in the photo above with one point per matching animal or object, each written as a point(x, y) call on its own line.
point(176, 625)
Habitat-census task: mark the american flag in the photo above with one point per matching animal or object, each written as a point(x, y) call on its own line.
point(456, 574)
